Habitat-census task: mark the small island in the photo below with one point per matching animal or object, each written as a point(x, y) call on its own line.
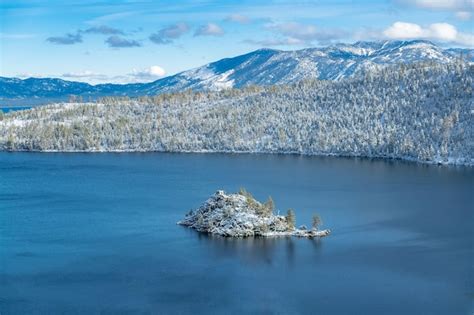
point(241, 215)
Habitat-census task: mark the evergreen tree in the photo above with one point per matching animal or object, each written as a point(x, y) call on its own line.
point(290, 219)
point(317, 222)
point(269, 206)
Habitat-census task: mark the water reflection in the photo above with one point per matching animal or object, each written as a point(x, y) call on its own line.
point(255, 250)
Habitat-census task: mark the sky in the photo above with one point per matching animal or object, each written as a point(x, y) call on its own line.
point(125, 41)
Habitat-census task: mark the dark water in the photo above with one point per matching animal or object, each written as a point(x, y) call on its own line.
point(96, 233)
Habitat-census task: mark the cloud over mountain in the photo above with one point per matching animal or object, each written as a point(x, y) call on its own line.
point(121, 42)
point(436, 31)
point(169, 33)
point(209, 29)
point(149, 74)
point(305, 33)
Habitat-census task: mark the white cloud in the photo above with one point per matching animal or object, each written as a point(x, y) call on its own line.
point(402, 30)
point(464, 15)
point(238, 18)
point(85, 75)
point(443, 31)
point(150, 74)
point(289, 41)
point(25, 75)
point(462, 8)
point(442, 4)
point(436, 31)
point(295, 30)
point(466, 39)
point(210, 29)
point(136, 75)
point(306, 33)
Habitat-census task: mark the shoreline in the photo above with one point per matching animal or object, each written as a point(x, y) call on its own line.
point(294, 153)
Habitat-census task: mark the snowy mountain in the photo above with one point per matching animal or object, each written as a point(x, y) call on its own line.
point(268, 66)
point(260, 67)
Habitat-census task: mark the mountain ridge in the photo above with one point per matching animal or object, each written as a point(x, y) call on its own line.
point(263, 66)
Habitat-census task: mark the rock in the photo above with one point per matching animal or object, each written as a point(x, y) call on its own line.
point(240, 215)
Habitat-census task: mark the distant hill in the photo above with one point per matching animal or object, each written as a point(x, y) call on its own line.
point(260, 67)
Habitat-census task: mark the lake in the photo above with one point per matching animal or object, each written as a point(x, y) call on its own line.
point(96, 233)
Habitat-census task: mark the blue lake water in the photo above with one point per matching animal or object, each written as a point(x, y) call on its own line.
point(96, 234)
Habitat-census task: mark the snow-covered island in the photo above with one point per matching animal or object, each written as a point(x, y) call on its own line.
point(240, 215)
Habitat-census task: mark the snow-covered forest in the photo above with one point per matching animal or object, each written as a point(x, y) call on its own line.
point(422, 112)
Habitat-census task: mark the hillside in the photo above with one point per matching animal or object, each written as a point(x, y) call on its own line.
point(421, 112)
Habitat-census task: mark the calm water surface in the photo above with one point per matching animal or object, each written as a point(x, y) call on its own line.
point(96, 234)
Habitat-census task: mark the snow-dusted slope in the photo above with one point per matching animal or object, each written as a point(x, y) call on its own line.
point(422, 112)
point(260, 67)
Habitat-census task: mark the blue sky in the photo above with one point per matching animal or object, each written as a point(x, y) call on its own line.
point(141, 40)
